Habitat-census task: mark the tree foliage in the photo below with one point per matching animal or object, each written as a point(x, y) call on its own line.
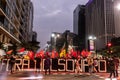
point(31, 45)
point(114, 50)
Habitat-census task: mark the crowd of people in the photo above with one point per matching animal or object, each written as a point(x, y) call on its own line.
point(112, 64)
point(37, 60)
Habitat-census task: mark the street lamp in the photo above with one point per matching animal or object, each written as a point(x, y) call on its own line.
point(54, 38)
point(92, 37)
point(118, 6)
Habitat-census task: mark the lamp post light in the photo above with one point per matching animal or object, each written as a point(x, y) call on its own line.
point(54, 39)
point(118, 6)
point(92, 37)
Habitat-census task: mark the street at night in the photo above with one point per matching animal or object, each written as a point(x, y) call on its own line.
point(54, 76)
point(59, 40)
point(30, 75)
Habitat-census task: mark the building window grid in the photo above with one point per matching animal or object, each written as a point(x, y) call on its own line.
point(12, 8)
point(12, 17)
point(9, 10)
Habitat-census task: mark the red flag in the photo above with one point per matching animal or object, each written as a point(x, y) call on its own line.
point(79, 53)
point(41, 53)
point(53, 54)
point(74, 54)
point(83, 53)
point(21, 50)
point(31, 54)
point(47, 53)
point(37, 54)
point(10, 52)
point(56, 54)
point(68, 56)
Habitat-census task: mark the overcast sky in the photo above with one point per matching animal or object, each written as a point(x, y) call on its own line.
point(53, 16)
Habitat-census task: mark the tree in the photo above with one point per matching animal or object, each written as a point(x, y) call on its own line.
point(31, 45)
point(115, 41)
point(13, 47)
point(112, 48)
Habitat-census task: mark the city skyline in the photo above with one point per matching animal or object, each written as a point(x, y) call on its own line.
point(49, 17)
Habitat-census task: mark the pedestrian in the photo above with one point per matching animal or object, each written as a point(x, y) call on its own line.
point(38, 62)
point(95, 65)
point(3, 64)
point(90, 64)
point(12, 63)
point(77, 67)
point(111, 67)
point(47, 64)
point(116, 62)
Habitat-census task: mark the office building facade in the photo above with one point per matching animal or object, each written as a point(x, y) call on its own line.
point(34, 36)
point(117, 17)
point(101, 21)
point(79, 25)
point(16, 21)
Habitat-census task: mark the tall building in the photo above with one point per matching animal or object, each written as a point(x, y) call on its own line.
point(79, 24)
point(34, 36)
point(101, 21)
point(117, 17)
point(16, 21)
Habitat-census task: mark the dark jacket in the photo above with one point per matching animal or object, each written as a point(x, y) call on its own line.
point(38, 61)
point(47, 63)
point(12, 60)
point(111, 65)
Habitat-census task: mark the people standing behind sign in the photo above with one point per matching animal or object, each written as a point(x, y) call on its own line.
point(3, 64)
point(95, 65)
point(77, 66)
point(112, 67)
point(38, 62)
point(12, 63)
point(116, 62)
point(47, 64)
point(90, 64)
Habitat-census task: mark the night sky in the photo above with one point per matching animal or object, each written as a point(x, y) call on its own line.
point(53, 16)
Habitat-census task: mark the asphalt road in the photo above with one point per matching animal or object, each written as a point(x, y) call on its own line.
point(40, 76)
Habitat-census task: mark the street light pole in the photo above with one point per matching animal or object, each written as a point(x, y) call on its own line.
point(55, 36)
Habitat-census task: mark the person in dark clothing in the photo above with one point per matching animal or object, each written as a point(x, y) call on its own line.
point(47, 64)
point(116, 61)
point(112, 68)
point(38, 62)
point(12, 63)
